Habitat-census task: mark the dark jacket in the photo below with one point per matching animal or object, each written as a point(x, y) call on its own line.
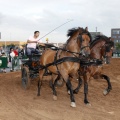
point(23, 52)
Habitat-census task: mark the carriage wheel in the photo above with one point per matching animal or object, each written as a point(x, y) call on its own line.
point(25, 77)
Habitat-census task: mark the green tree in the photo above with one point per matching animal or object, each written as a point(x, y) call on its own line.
point(118, 46)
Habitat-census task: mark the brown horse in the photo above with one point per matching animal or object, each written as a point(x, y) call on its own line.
point(101, 48)
point(78, 39)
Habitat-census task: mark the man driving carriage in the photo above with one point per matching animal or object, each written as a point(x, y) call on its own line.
point(32, 44)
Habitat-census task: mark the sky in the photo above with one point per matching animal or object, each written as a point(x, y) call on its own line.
point(20, 18)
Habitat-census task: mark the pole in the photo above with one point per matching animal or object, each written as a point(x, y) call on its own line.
point(96, 31)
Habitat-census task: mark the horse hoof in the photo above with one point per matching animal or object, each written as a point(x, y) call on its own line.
point(105, 92)
point(73, 104)
point(54, 97)
point(68, 92)
point(88, 104)
point(38, 94)
point(75, 91)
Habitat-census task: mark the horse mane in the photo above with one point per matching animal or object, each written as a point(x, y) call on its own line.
point(72, 31)
point(99, 38)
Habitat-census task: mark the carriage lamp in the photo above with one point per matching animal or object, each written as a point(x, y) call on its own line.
point(47, 40)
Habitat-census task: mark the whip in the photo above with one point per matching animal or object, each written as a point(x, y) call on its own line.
point(55, 29)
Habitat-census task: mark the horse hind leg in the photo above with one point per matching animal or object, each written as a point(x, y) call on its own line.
point(41, 72)
point(53, 83)
point(109, 88)
point(85, 90)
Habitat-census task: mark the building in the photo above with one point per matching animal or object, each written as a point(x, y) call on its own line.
point(115, 35)
point(16, 43)
point(8, 44)
point(94, 34)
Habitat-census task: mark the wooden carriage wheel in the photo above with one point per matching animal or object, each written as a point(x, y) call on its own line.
point(25, 77)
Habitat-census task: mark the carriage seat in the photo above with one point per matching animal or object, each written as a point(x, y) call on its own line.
point(35, 53)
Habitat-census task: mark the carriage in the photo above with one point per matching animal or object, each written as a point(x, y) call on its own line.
point(30, 69)
point(68, 56)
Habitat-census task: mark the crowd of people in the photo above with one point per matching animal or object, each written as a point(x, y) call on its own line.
point(14, 54)
point(13, 57)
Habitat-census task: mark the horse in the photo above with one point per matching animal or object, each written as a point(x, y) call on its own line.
point(78, 39)
point(101, 48)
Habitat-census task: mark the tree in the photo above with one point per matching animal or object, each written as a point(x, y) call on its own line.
point(118, 46)
point(23, 45)
point(11, 45)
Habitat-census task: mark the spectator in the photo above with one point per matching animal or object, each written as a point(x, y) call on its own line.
point(1, 51)
point(23, 51)
point(16, 51)
point(3, 55)
point(11, 59)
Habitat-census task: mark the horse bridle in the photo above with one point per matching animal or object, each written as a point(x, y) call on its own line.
point(107, 49)
point(81, 40)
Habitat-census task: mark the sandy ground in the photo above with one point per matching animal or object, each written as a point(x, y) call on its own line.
point(18, 104)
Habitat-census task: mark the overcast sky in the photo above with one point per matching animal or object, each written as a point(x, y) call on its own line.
point(20, 18)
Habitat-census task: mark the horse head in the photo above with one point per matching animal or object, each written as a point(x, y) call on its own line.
point(82, 38)
point(102, 47)
point(107, 50)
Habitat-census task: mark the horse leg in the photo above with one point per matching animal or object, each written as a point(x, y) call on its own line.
point(54, 80)
point(85, 89)
point(41, 72)
point(65, 76)
point(75, 91)
point(109, 88)
point(69, 86)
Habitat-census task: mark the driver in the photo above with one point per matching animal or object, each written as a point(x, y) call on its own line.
point(32, 43)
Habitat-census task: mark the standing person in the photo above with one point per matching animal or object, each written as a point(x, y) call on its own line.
point(1, 51)
point(16, 51)
point(5, 62)
point(11, 59)
point(23, 52)
point(32, 44)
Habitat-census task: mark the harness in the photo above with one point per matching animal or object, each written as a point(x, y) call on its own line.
point(107, 49)
point(76, 59)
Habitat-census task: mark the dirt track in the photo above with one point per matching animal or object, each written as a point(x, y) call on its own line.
point(18, 104)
